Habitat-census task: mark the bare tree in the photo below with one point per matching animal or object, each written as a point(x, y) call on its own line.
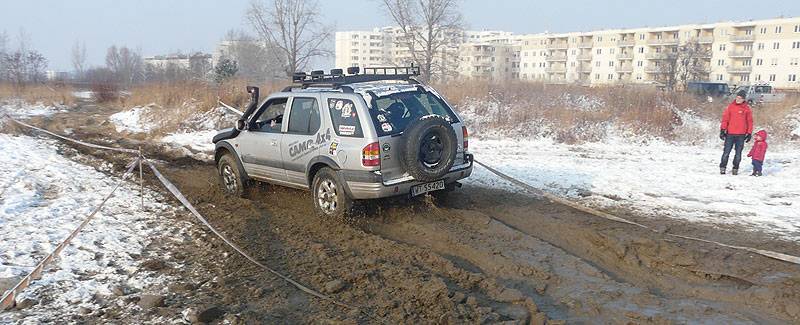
point(78, 58)
point(292, 29)
point(126, 64)
point(3, 51)
point(688, 62)
point(431, 31)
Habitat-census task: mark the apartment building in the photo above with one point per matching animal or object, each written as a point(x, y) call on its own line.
point(732, 52)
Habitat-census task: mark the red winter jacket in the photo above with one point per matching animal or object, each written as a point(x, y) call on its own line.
point(759, 149)
point(737, 119)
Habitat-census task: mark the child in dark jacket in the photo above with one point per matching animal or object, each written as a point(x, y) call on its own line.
point(758, 152)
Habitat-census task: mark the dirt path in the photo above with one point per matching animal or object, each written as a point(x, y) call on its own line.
point(477, 256)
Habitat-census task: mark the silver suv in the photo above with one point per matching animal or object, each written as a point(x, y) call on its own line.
point(347, 137)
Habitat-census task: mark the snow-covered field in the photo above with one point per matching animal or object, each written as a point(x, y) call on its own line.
point(19, 109)
point(43, 196)
point(656, 179)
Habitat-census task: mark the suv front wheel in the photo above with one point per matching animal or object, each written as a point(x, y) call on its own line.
point(230, 178)
point(330, 199)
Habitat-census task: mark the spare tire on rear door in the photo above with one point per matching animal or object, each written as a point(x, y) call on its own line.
point(430, 148)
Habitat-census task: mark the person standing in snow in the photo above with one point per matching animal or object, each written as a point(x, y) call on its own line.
point(736, 129)
point(758, 152)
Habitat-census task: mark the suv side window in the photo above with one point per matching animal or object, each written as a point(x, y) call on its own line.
point(304, 117)
point(270, 116)
point(345, 118)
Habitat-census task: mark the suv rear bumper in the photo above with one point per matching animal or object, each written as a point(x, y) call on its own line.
point(367, 185)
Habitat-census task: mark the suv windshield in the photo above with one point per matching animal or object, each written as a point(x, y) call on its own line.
point(394, 112)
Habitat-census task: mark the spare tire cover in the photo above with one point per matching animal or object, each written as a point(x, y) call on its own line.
point(430, 148)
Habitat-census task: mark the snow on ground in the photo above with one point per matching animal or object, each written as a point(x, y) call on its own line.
point(656, 179)
point(133, 120)
point(197, 143)
point(20, 109)
point(43, 197)
point(84, 94)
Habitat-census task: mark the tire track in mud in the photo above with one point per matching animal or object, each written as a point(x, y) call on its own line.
point(563, 285)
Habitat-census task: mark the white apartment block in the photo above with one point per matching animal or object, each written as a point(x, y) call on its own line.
point(737, 53)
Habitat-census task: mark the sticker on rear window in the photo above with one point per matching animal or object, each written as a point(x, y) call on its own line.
point(347, 129)
point(381, 118)
point(347, 110)
point(386, 127)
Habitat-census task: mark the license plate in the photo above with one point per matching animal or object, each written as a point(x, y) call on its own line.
point(427, 187)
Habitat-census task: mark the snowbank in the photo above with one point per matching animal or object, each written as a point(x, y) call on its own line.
point(135, 120)
point(656, 179)
point(20, 109)
point(42, 199)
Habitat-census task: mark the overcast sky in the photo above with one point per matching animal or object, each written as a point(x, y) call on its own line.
point(166, 26)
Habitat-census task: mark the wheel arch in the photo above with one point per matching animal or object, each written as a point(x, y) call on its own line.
point(223, 148)
point(316, 164)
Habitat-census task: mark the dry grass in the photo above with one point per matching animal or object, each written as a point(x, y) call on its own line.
point(47, 94)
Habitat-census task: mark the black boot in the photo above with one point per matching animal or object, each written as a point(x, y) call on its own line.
point(722, 170)
point(755, 173)
point(759, 174)
point(735, 171)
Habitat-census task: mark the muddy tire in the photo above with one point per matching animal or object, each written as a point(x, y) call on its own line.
point(430, 148)
point(230, 178)
point(330, 198)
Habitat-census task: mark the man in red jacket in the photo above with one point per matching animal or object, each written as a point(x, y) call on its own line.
point(736, 129)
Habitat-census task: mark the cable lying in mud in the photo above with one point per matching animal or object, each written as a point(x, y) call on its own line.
point(554, 198)
point(9, 298)
point(178, 195)
point(91, 145)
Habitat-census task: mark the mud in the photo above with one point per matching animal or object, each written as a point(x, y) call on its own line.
point(473, 256)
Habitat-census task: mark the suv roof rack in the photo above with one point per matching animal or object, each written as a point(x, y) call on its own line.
point(337, 78)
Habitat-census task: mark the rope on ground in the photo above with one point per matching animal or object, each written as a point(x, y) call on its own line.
point(9, 297)
point(91, 145)
point(554, 198)
point(230, 108)
point(178, 195)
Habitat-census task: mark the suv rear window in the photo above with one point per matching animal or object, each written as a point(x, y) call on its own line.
point(345, 118)
point(394, 112)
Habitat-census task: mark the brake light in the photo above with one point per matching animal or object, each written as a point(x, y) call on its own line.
point(371, 155)
point(466, 137)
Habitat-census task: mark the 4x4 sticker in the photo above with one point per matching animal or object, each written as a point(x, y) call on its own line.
point(347, 129)
point(301, 148)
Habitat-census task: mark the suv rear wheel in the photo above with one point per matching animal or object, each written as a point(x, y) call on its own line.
point(230, 178)
point(430, 148)
point(330, 199)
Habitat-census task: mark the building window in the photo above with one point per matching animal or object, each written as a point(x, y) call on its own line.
point(796, 45)
point(774, 62)
point(776, 46)
point(610, 63)
point(758, 77)
point(772, 77)
point(794, 61)
point(719, 77)
point(639, 63)
point(746, 63)
point(748, 47)
point(355, 58)
point(720, 62)
point(792, 77)
point(597, 64)
point(597, 76)
point(641, 36)
point(722, 47)
point(599, 51)
point(797, 28)
point(610, 76)
point(641, 50)
point(611, 51)
point(744, 78)
point(638, 77)
point(759, 61)
point(778, 29)
point(760, 46)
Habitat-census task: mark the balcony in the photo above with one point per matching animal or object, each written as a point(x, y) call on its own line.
point(652, 68)
point(586, 45)
point(557, 46)
point(739, 69)
point(626, 43)
point(655, 56)
point(625, 56)
point(741, 54)
point(585, 68)
point(742, 38)
point(663, 41)
point(585, 57)
point(556, 69)
point(556, 57)
point(624, 68)
point(705, 39)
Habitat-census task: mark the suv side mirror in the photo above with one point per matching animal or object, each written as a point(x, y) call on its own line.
point(241, 125)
